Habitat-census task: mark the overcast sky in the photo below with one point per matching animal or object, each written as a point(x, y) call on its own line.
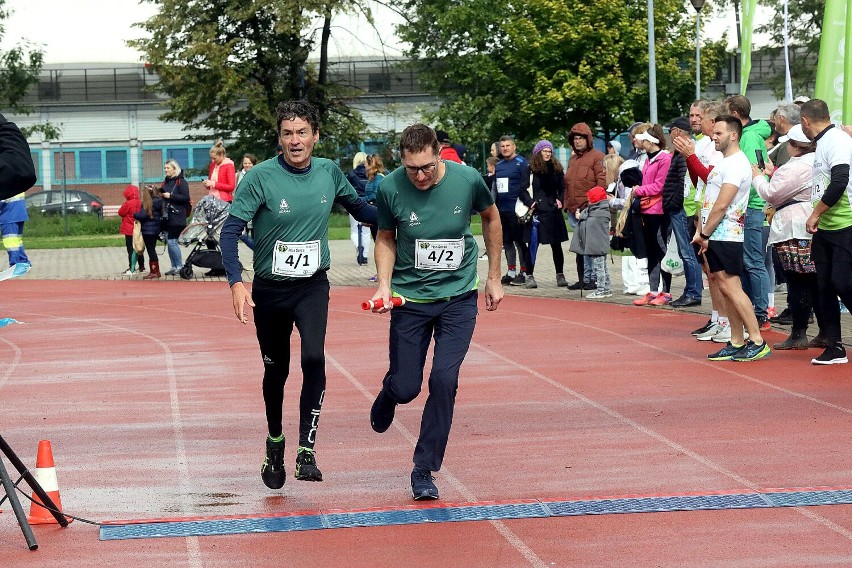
point(88, 31)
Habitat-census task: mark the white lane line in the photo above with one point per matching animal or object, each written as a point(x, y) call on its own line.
point(709, 364)
point(657, 436)
point(507, 533)
point(193, 548)
point(10, 367)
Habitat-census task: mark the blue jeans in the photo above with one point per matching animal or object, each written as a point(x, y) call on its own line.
point(691, 268)
point(174, 254)
point(756, 280)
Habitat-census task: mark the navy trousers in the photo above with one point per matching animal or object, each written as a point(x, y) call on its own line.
point(413, 325)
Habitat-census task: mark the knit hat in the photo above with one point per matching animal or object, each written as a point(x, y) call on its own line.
point(541, 145)
point(596, 194)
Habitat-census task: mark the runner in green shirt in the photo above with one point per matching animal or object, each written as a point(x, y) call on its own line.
point(426, 253)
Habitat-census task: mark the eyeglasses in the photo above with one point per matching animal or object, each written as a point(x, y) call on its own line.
point(427, 170)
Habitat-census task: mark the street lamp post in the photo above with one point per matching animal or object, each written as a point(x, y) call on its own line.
point(652, 63)
point(697, 4)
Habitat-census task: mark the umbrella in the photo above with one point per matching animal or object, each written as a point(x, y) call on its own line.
point(534, 239)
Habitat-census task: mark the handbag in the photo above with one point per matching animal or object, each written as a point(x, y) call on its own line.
point(138, 241)
point(524, 213)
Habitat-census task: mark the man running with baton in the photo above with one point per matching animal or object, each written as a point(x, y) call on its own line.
point(425, 252)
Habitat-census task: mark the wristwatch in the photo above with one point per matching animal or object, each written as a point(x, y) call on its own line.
point(703, 236)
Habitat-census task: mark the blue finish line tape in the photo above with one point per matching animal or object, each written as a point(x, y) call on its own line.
point(474, 512)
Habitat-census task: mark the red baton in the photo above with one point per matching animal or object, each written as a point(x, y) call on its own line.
point(378, 303)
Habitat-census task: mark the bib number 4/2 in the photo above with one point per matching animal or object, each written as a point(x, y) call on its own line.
point(439, 254)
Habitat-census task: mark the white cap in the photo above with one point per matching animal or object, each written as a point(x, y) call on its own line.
point(616, 145)
point(646, 136)
point(798, 135)
point(801, 99)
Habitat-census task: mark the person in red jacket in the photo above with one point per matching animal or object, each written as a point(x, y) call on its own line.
point(447, 150)
point(223, 175)
point(132, 204)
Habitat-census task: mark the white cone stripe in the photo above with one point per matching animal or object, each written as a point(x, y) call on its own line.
point(46, 477)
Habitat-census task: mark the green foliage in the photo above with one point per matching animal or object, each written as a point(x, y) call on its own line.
point(79, 224)
point(226, 64)
point(805, 29)
point(534, 68)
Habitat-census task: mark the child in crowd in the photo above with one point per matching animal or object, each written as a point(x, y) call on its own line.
point(132, 204)
point(591, 238)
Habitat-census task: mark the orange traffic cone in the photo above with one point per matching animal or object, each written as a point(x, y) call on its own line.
point(45, 474)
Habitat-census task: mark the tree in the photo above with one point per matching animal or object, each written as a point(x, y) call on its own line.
point(534, 68)
point(804, 31)
point(226, 64)
point(19, 71)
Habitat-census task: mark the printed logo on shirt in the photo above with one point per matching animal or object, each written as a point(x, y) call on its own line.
point(267, 360)
point(284, 207)
point(457, 210)
point(413, 221)
point(323, 200)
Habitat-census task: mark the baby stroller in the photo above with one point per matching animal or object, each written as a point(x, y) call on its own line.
point(203, 232)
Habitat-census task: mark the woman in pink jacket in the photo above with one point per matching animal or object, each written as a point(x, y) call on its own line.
point(655, 223)
point(223, 175)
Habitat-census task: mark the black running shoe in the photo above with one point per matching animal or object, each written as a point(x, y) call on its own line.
point(422, 486)
point(833, 355)
point(506, 279)
point(306, 465)
point(578, 285)
point(272, 472)
point(381, 414)
point(590, 285)
point(704, 328)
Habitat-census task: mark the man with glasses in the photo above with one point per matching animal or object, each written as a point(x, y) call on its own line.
point(426, 254)
point(289, 199)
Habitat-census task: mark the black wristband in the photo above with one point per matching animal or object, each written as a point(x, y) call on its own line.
point(703, 236)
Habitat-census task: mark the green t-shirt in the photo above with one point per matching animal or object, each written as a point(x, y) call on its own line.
point(436, 253)
point(754, 137)
point(290, 215)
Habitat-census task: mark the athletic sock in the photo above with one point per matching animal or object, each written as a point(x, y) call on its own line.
point(714, 316)
point(723, 321)
point(277, 438)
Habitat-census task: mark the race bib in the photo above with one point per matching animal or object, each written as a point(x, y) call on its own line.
point(705, 213)
point(821, 182)
point(296, 260)
point(442, 254)
point(502, 185)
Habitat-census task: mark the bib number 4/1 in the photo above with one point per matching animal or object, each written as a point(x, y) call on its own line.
point(296, 260)
point(443, 254)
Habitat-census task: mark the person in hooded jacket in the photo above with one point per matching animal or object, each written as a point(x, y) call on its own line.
point(222, 179)
point(175, 194)
point(585, 171)
point(591, 239)
point(132, 204)
point(151, 217)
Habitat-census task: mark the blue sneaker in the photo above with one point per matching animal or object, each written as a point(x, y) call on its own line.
point(21, 268)
point(752, 352)
point(727, 352)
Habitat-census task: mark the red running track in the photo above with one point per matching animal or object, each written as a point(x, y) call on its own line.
point(150, 394)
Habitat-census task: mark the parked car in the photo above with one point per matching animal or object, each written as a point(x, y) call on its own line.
point(76, 201)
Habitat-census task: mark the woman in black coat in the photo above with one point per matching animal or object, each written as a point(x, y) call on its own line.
point(548, 188)
point(175, 194)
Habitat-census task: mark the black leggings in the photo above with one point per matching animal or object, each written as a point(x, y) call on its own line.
point(831, 252)
point(558, 258)
point(140, 257)
point(278, 306)
point(151, 247)
point(655, 231)
point(802, 296)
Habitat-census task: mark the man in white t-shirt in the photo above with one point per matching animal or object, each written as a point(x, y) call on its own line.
point(830, 223)
point(721, 240)
point(701, 157)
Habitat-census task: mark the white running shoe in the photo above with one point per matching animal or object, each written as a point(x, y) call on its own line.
point(710, 333)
